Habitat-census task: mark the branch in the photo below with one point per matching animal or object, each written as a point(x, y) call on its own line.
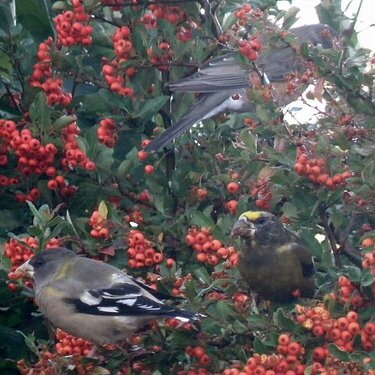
point(330, 234)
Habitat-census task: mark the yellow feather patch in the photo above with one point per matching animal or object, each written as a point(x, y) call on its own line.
point(63, 271)
point(252, 215)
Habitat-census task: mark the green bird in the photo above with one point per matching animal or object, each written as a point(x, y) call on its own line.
point(273, 261)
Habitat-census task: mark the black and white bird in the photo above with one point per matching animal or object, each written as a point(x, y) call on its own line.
point(223, 82)
point(92, 299)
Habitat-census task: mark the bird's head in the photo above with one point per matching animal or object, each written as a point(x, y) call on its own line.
point(261, 226)
point(46, 261)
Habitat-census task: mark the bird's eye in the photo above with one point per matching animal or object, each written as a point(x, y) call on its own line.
point(37, 262)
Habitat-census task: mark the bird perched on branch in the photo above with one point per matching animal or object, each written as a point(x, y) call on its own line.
point(223, 82)
point(273, 261)
point(94, 300)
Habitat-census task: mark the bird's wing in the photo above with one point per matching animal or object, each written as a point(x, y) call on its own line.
point(204, 105)
point(123, 299)
point(305, 258)
point(219, 73)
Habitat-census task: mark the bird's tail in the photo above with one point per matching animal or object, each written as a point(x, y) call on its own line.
point(187, 316)
point(204, 105)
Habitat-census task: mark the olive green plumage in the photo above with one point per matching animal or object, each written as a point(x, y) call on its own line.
point(273, 261)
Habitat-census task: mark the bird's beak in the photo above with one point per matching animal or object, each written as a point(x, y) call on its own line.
point(25, 270)
point(243, 228)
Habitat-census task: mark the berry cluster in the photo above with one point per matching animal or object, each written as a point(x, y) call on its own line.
point(209, 250)
point(18, 254)
point(241, 301)
point(149, 21)
point(33, 158)
point(73, 156)
point(72, 26)
point(340, 331)
point(160, 57)
point(45, 365)
point(243, 14)
point(99, 226)
point(113, 72)
point(348, 293)
point(199, 354)
point(31, 196)
point(315, 170)
point(114, 4)
point(250, 48)
point(250, 123)
point(175, 323)
point(122, 44)
point(171, 14)
point(287, 361)
point(184, 34)
point(135, 216)
point(42, 77)
point(68, 344)
point(262, 194)
point(61, 186)
point(140, 253)
point(368, 254)
point(179, 283)
point(194, 371)
point(107, 132)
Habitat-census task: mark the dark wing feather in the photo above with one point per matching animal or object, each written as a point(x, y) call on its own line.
point(306, 261)
point(220, 73)
point(124, 299)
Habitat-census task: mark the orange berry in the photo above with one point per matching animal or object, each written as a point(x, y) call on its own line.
point(170, 262)
point(216, 245)
point(319, 354)
point(201, 257)
point(149, 169)
point(367, 242)
point(199, 351)
point(283, 339)
point(233, 187)
point(52, 184)
point(294, 348)
point(352, 316)
point(142, 155)
point(342, 323)
point(190, 240)
point(299, 168)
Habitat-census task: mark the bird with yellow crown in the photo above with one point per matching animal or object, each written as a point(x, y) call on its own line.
point(273, 261)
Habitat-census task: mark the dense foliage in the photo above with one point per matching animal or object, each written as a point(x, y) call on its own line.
point(82, 90)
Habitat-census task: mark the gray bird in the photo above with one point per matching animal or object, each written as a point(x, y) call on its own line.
point(222, 78)
point(92, 299)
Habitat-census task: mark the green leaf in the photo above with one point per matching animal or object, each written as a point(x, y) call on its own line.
point(284, 322)
point(34, 17)
point(201, 220)
point(152, 106)
point(338, 353)
point(35, 212)
point(40, 112)
point(202, 275)
point(259, 347)
point(63, 121)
